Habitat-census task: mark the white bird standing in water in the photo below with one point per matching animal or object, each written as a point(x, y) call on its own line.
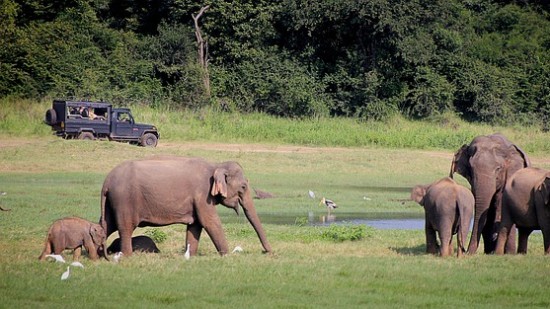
point(328, 203)
point(66, 274)
point(187, 254)
point(58, 258)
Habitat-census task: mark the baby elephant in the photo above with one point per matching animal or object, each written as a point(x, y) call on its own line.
point(75, 233)
point(448, 207)
point(139, 243)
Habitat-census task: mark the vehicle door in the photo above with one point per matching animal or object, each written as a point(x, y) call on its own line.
point(123, 123)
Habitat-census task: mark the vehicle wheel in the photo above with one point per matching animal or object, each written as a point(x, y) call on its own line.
point(87, 136)
point(51, 117)
point(149, 140)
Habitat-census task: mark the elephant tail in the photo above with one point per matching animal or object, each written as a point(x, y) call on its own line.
point(464, 208)
point(102, 220)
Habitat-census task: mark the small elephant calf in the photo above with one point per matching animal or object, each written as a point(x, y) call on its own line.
point(448, 207)
point(139, 243)
point(75, 233)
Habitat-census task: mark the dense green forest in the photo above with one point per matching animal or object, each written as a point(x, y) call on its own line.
point(483, 60)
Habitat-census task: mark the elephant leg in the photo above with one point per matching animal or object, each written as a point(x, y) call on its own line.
point(126, 241)
point(502, 238)
point(47, 250)
point(511, 241)
point(214, 229)
point(77, 253)
point(523, 239)
point(446, 243)
point(92, 251)
point(431, 239)
point(192, 237)
point(546, 239)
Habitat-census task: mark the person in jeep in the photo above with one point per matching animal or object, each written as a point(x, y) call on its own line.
point(98, 120)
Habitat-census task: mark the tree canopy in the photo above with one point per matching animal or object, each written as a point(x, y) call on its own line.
point(484, 60)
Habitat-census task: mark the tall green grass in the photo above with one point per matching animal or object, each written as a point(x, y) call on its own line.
point(23, 118)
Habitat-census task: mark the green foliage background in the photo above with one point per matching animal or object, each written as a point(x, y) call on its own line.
point(483, 60)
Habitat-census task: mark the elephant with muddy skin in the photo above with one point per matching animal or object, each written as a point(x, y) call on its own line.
point(486, 163)
point(164, 190)
point(526, 203)
point(448, 207)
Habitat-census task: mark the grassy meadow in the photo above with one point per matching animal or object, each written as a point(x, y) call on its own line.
point(47, 178)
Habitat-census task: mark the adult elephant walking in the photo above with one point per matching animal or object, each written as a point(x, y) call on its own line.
point(525, 204)
point(165, 190)
point(486, 163)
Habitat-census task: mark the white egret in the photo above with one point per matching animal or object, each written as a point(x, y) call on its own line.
point(77, 264)
point(187, 254)
point(311, 194)
point(328, 203)
point(237, 249)
point(58, 258)
point(66, 274)
point(117, 256)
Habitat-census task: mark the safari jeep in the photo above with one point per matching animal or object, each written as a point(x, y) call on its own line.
point(95, 120)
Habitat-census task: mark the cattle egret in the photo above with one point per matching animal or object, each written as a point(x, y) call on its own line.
point(117, 256)
point(187, 254)
point(328, 203)
point(66, 274)
point(237, 249)
point(58, 258)
point(77, 264)
point(311, 194)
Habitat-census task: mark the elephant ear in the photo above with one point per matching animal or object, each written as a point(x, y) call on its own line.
point(542, 193)
point(418, 193)
point(461, 163)
point(219, 186)
point(98, 234)
point(526, 161)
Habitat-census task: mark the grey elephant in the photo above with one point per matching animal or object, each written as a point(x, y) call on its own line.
point(75, 233)
point(448, 208)
point(165, 190)
point(486, 163)
point(139, 243)
point(525, 203)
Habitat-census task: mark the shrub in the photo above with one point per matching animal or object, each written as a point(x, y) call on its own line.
point(339, 233)
point(156, 235)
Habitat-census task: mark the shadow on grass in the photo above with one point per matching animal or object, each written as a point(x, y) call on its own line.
point(416, 250)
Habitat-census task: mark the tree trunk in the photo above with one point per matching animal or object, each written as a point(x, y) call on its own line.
point(202, 50)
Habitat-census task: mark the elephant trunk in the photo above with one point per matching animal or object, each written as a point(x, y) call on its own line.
point(483, 198)
point(250, 213)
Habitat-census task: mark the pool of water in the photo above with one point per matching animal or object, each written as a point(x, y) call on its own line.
point(386, 220)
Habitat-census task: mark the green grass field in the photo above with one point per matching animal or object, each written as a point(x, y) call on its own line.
point(47, 178)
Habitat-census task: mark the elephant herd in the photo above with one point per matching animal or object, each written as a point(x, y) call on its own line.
point(506, 193)
point(164, 190)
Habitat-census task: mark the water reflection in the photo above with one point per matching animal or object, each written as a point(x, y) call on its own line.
point(386, 220)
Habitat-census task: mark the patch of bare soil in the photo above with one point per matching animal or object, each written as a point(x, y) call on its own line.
point(260, 148)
